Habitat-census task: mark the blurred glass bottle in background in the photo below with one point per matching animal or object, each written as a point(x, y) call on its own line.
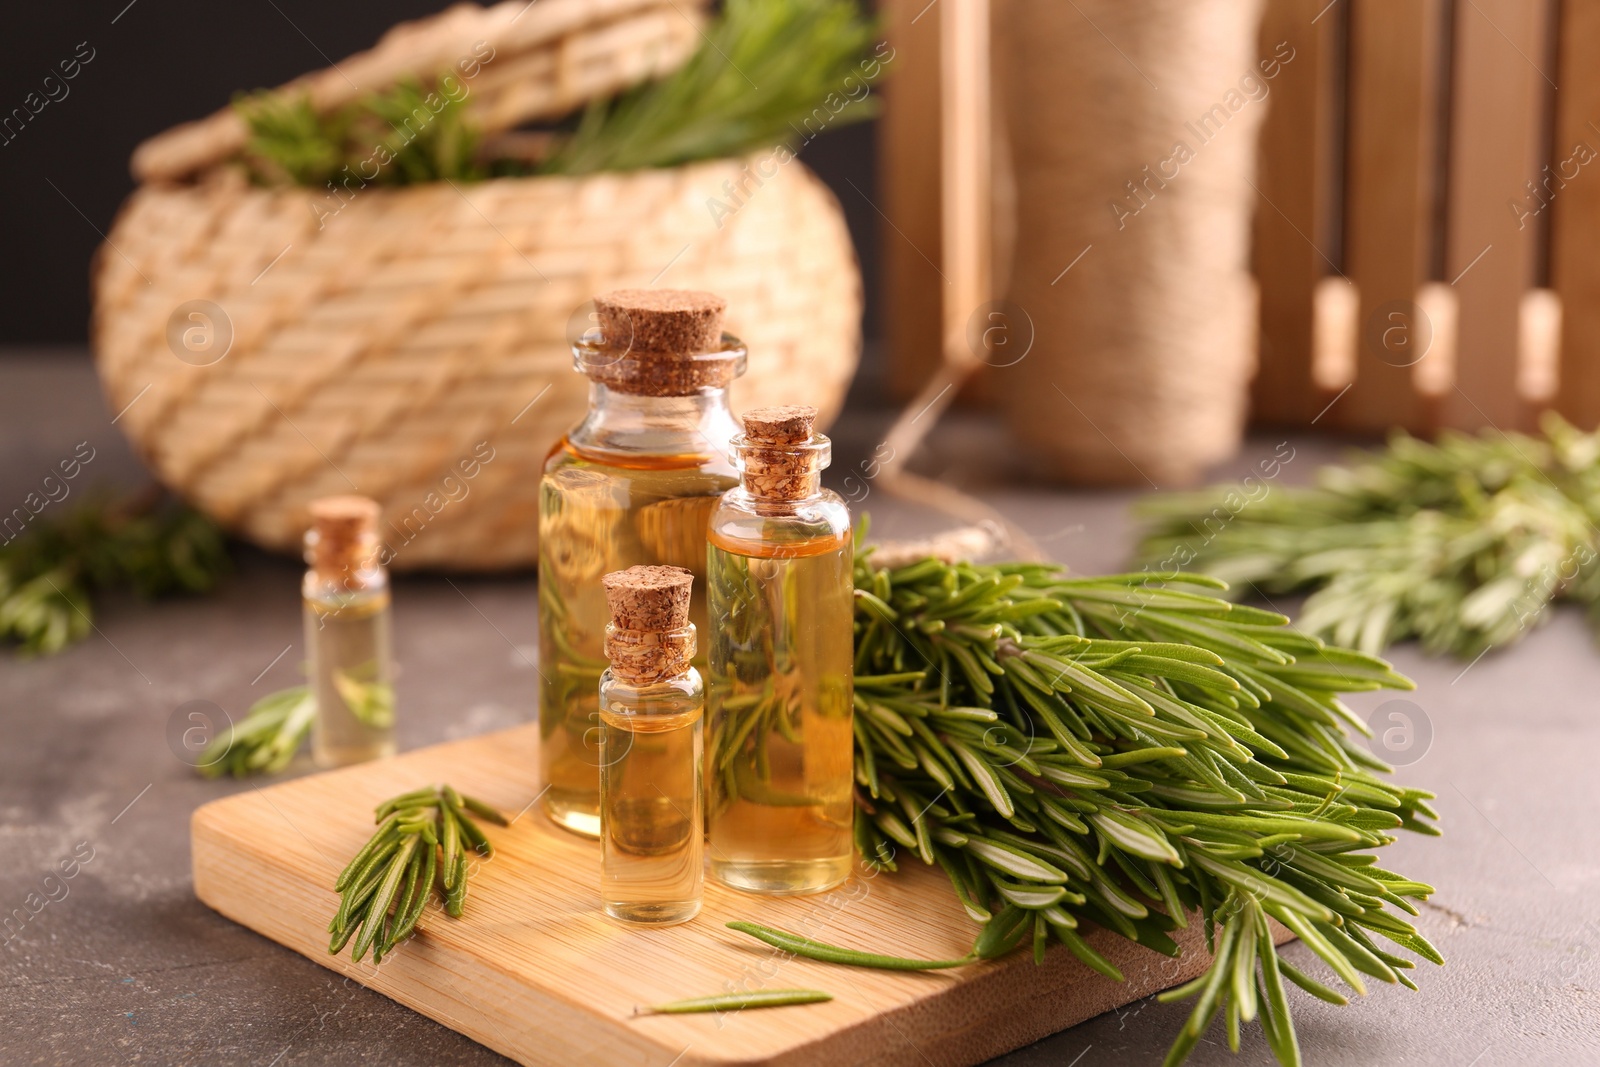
point(348, 641)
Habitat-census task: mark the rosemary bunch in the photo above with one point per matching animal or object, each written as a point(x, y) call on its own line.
point(421, 844)
point(50, 571)
point(769, 73)
point(1463, 544)
point(1127, 753)
point(766, 68)
point(403, 135)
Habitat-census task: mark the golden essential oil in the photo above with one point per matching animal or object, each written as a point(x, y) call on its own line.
point(348, 639)
point(633, 484)
point(780, 761)
point(596, 517)
point(651, 709)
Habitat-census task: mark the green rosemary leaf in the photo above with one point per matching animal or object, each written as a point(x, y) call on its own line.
point(768, 68)
point(760, 998)
point(817, 950)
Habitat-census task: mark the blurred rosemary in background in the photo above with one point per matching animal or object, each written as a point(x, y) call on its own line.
point(1464, 544)
point(768, 73)
point(50, 573)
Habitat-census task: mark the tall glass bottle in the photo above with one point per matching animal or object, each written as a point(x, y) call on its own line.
point(634, 483)
point(652, 703)
point(779, 761)
point(348, 643)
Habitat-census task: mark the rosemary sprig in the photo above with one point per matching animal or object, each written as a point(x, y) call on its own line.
point(1129, 752)
point(768, 73)
point(1464, 544)
point(401, 136)
point(765, 68)
point(265, 740)
point(50, 572)
point(760, 998)
point(421, 844)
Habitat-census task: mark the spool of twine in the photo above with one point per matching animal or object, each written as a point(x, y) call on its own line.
point(1142, 351)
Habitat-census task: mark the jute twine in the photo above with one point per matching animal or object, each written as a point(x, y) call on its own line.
point(1143, 349)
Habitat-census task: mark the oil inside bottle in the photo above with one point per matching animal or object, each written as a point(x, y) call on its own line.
point(653, 839)
point(600, 513)
point(779, 773)
point(348, 635)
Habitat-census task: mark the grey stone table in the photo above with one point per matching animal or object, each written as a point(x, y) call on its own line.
point(124, 966)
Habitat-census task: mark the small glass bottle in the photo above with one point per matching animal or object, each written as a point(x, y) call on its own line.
point(634, 483)
point(780, 757)
point(652, 704)
point(346, 596)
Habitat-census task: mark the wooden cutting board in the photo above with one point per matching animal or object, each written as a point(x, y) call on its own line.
point(533, 970)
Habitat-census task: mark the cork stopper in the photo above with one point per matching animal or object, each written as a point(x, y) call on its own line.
point(660, 342)
point(779, 454)
point(675, 321)
point(344, 535)
point(649, 638)
point(790, 424)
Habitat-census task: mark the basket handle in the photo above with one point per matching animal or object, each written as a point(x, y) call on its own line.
point(521, 60)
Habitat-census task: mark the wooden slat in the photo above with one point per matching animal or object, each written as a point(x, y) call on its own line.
point(1296, 210)
point(910, 191)
point(1395, 48)
point(1496, 143)
point(965, 147)
point(1574, 248)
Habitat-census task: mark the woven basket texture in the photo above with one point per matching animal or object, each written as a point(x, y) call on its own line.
point(413, 347)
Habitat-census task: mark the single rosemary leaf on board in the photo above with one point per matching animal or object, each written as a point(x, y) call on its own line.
point(817, 950)
point(759, 998)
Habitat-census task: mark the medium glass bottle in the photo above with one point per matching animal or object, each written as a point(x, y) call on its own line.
point(634, 483)
point(779, 763)
point(652, 703)
point(348, 643)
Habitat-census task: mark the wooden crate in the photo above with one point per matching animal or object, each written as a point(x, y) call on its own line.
point(1425, 235)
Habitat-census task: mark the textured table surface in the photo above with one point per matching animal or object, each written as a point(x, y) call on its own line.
point(125, 966)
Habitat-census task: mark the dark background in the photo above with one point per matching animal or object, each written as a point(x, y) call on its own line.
point(160, 62)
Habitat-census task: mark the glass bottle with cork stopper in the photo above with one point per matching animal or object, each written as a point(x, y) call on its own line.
point(633, 484)
point(652, 705)
point(348, 642)
point(780, 754)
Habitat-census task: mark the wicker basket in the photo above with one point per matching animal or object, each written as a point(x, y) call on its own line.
point(413, 347)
